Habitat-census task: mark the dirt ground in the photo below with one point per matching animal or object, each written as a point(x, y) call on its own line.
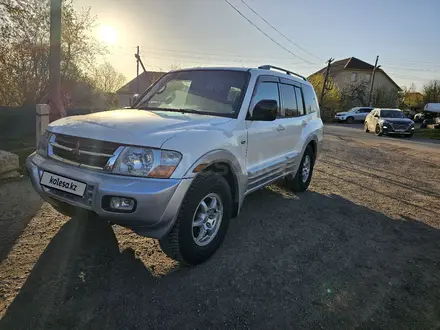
point(360, 249)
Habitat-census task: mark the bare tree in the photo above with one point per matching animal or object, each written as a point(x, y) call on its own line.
point(431, 92)
point(24, 52)
point(106, 79)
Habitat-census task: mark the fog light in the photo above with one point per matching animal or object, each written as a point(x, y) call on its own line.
point(121, 204)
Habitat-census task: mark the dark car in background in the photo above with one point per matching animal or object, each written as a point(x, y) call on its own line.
point(389, 122)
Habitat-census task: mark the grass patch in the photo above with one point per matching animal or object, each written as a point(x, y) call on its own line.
point(428, 133)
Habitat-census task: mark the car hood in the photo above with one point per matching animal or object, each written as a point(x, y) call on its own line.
point(134, 127)
point(398, 120)
point(342, 113)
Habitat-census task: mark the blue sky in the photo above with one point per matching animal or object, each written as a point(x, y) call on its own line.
point(405, 34)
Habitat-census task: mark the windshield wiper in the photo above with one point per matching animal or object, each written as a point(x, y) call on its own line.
point(199, 112)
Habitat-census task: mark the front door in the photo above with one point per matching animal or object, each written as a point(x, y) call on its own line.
point(372, 120)
point(265, 150)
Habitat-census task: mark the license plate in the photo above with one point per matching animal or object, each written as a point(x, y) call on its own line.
point(400, 130)
point(64, 184)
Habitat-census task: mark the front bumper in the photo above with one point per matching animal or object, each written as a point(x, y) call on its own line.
point(157, 200)
point(340, 118)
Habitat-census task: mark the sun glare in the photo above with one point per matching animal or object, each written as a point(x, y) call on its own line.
point(108, 34)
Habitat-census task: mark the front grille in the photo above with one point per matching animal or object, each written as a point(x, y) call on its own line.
point(400, 126)
point(89, 152)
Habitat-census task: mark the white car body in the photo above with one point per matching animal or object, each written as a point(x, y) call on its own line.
point(354, 114)
point(432, 107)
point(256, 152)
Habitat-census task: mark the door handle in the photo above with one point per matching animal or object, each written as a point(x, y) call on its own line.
point(304, 123)
point(280, 128)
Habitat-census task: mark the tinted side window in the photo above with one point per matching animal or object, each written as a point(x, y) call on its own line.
point(266, 91)
point(299, 101)
point(366, 110)
point(310, 99)
point(288, 97)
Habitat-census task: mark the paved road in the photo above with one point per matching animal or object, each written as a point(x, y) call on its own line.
point(360, 249)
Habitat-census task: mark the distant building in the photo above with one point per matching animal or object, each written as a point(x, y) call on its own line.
point(352, 71)
point(146, 79)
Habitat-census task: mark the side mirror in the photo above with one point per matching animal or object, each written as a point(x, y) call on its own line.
point(265, 110)
point(135, 98)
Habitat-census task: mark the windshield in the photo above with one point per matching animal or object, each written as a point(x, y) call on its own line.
point(213, 92)
point(392, 114)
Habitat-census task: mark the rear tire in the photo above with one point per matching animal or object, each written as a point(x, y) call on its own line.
point(299, 182)
point(350, 120)
point(185, 242)
point(366, 130)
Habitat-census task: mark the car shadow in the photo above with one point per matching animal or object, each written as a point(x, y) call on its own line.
point(14, 216)
point(288, 261)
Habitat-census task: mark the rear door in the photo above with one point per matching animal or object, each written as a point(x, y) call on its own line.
point(291, 118)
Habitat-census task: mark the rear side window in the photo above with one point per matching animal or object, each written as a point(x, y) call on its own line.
point(310, 99)
point(288, 99)
point(299, 101)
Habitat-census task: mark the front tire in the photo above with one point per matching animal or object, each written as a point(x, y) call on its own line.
point(202, 221)
point(350, 120)
point(301, 181)
point(378, 131)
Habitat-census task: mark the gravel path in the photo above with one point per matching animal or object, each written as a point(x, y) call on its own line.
point(359, 250)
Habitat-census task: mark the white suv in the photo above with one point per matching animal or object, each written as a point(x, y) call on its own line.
point(354, 114)
point(178, 165)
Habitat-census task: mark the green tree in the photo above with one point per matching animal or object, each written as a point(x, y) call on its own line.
point(332, 96)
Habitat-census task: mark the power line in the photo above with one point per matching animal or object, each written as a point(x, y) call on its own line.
point(409, 61)
point(259, 29)
point(411, 69)
point(409, 77)
point(219, 54)
point(235, 56)
point(282, 34)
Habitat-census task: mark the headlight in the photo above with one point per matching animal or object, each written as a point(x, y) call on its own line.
point(42, 144)
point(147, 162)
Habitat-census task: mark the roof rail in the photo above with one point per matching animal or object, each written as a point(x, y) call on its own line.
point(268, 67)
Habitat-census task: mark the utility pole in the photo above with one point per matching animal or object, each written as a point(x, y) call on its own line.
point(137, 69)
point(324, 86)
point(140, 62)
point(56, 107)
point(370, 103)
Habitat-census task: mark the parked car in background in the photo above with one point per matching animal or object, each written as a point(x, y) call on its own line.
point(178, 164)
point(409, 113)
point(354, 114)
point(389, 122)
point(435, 122)
point(418, 117)
point(433, 108)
